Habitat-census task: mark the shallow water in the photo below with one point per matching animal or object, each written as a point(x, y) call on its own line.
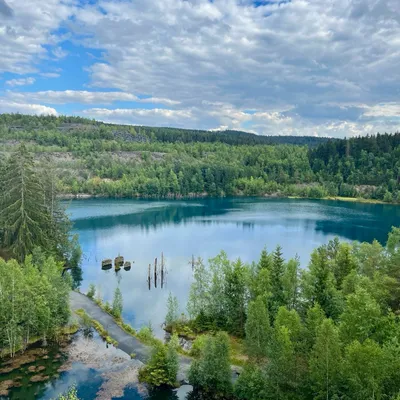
point(142, 230)
point(96, 370)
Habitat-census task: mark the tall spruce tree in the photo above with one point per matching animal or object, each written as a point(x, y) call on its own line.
point(277, 272)
point(24, 217)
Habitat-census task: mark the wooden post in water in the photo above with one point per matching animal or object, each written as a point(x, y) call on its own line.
point(192, 262)
point(149, 277)
point(162, 270)
point(155, 273)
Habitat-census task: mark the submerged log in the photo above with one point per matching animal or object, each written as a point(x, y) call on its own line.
point(127, 265)
point(106, 264)
point(162, 270)
point(155, 273)
point(149, 277)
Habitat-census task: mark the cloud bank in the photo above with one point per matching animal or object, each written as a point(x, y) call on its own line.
point(301, 67)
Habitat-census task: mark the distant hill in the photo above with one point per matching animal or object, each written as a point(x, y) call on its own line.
point(98, 159)
point(147, 133)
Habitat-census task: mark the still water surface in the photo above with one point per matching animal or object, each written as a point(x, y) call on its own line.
point(141, 230)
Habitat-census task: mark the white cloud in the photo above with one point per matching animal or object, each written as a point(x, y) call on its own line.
point(300, 53)
point(383, 110)
point(21, 81)
point(25, 108)
point(152, 117)
point(302, 66)
point(50, 74)
point(84, 97)
point(58, 52)
point(28, 29)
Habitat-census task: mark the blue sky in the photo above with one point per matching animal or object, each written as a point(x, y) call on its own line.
point(299, 67)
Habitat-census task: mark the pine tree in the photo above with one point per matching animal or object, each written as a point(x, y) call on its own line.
point(258, 330)
point(325, 361)
point(277, 272)
point(24, 217)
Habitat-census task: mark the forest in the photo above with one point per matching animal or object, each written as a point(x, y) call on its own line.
point(330, 331)
point(99, 159)
point(44, 260)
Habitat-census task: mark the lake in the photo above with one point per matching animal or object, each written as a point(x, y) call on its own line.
point(141, 230)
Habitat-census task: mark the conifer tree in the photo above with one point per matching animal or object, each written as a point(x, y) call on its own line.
point(277, 272)
point(24, 216)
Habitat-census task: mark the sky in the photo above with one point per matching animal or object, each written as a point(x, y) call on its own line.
point(277, 67)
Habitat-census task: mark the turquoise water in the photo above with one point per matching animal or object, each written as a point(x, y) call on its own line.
point(141, 230)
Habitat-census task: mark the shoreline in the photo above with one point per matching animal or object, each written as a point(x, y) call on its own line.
point(86, 196)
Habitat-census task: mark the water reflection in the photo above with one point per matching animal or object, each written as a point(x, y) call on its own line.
point(142, 230)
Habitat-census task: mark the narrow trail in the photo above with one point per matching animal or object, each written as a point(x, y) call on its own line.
point(127, 343)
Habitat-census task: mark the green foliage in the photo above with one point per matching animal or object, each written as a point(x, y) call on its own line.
point(92, 291)
point(146, 335)
point(211, 373)
point(172, 311)
point(71, 394)
point(361, 317)
point(277, 273)
point(326, 361)
point(198, 346)
point(162, 368)
point(34, 302)
point(365, 369)
point(258, 329)
point(251, 384)
point(117, 304)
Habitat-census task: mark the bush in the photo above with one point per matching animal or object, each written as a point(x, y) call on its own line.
point(92, 291)
point(145, 335)
point(162, 368)
point(198, 346)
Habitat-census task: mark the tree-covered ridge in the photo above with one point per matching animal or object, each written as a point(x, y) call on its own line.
point(70, 124)
point(125, 161)
point(370, 160)
point(330, 331)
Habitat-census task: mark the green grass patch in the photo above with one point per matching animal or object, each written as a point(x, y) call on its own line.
point(96, 325)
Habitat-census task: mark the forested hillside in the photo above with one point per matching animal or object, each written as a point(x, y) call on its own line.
point(93, 158)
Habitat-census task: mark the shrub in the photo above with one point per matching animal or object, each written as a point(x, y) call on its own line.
point(162, 367)
point(92, 291)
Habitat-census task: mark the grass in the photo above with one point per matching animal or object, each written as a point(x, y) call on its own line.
point(96, 325)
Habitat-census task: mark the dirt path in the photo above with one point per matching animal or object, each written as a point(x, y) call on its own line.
point(126, 342)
